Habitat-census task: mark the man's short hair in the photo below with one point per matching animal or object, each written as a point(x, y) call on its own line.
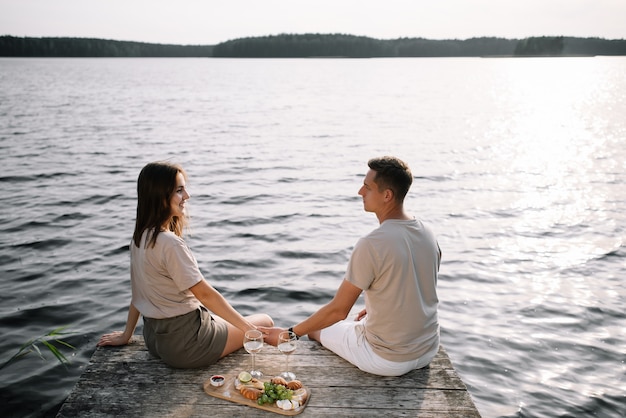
point(392, 173)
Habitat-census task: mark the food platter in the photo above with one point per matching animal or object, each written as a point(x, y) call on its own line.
point(231, 390)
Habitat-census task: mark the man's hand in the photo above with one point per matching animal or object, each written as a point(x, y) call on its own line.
point(270, 335)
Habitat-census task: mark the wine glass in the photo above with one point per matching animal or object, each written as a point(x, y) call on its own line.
point(253, 343)
point(287, 342)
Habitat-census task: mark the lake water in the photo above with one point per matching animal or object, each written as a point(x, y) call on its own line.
point(519, 168)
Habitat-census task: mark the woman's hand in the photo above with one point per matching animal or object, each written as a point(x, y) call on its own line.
point(270, 334)
point(360, 315)
point(119, 337)
point(113, 338)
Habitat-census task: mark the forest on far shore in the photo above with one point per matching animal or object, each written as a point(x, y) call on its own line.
point(316, 45)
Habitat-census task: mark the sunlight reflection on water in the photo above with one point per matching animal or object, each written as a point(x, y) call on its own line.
point(518, 163)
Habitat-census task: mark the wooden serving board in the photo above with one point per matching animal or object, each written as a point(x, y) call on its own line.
point(229, 392)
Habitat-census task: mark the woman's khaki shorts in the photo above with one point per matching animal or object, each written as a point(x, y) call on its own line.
point(187, 341)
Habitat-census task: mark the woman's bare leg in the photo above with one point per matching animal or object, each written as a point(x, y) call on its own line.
point(235, 336)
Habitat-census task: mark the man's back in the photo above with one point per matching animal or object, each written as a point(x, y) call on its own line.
point(397, 265)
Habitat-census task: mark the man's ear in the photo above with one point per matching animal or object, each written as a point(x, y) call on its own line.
point(388, 195)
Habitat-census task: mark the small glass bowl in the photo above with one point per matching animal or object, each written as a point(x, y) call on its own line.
point(217, 380)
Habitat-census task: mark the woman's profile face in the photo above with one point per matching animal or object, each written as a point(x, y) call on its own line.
point(179, 197)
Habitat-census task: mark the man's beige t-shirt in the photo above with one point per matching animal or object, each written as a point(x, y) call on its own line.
point(161, 276)
point(397, 266)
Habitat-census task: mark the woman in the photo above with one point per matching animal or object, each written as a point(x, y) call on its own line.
point(168, 288)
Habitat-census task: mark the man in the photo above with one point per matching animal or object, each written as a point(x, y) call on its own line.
point(396, 265)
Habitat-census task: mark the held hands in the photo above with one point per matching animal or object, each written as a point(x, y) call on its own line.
point(360, 315)
point(270, 334)
point(114, 338)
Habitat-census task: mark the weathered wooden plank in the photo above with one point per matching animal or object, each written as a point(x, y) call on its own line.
point(128, 381)
point(233, 410)
point(337, 397)
point(338, 401)
point(312, 376)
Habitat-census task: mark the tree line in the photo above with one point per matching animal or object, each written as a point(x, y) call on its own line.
point(338, 45)
point(12, 46)
point(315, 45)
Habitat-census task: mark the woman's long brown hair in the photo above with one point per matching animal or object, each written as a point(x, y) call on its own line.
point(155, 186)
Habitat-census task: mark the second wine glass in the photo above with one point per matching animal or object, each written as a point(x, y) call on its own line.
point(287, 343)
point(253, 343)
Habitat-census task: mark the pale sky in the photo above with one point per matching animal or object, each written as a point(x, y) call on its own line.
point(208, 22)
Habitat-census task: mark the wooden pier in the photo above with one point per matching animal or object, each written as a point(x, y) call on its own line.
point(128, 382)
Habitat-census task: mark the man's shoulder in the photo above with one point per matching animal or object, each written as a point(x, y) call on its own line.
point(394, 229)
point(392, 226)
point(384, 232)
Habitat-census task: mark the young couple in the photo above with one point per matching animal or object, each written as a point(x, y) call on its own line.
point(188, 324)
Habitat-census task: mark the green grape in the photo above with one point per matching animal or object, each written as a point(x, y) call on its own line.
point(273, 393)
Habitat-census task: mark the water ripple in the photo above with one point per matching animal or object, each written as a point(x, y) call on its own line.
point(526, 203)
